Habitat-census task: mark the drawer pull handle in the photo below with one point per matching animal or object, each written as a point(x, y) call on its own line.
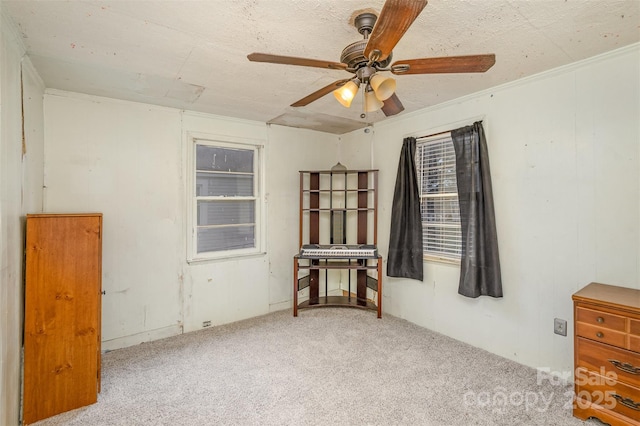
point(600, 320)
point(625, 366)
point(599, 334)
point(627, 402)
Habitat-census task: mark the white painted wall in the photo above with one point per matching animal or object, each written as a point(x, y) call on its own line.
point(127, 160)
point(20, 193)
point(564, 148)
point(290, 150)
point(123, 160)
point(33, 159)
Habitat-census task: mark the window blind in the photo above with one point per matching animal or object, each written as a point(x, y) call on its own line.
point(436, 169)
point(225, 198)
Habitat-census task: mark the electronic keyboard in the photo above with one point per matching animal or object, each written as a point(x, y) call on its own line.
point(350, 251)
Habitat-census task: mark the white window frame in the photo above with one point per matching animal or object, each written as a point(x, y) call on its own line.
point(257, 146)
point(439, 256)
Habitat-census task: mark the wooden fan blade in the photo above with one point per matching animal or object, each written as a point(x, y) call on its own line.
point(451, 64)
point(291, 60)
point(392, 106)
point(395, 19)
point(319, 93)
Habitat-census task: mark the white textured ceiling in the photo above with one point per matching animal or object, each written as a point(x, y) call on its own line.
point(192, 54)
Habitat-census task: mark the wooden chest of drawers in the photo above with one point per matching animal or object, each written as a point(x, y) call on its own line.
point(607, 354)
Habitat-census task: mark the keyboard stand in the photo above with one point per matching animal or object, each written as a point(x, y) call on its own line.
point(362, 280)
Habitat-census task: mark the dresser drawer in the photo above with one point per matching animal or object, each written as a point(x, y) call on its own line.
point(601, 334)
point(607, 393)
point(608, 361)
point(607, 354)
point(634, 335)
point(601, 319)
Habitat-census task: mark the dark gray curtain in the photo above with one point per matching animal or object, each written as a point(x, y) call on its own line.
point(405, 240)
point(480, 263)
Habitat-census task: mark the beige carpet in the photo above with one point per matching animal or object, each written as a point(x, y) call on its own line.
point(329, 366)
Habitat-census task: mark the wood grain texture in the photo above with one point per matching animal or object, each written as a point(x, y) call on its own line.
point(606, 348)
point(395, 19)
point(319, 93)
point(62, 313)
point(314, 231)
point(363, 227)
point(584, 411)
point(600, 390)
point(338, 301)
point(634, 335)
point(292, 60)
point(600, 334)
point(445, 65)
point(611, 296)
point(595, 356)
point(601, 319)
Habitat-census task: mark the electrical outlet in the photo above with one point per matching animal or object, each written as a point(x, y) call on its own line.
point(560, 326)
point(206, 324)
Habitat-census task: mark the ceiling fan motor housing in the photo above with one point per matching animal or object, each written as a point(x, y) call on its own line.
point(353, 54)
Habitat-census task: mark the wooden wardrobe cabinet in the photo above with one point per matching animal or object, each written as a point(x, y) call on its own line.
point(63, 290)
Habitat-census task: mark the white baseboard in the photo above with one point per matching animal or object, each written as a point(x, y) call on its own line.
point(281, 306)
point(136, 339)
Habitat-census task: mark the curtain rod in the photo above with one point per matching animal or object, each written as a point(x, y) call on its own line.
point(433, 134)
point(440, 133)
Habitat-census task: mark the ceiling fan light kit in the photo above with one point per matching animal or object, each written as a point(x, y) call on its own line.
point(346, 93)
point(371, 101)
point(383, 87)
point(366, 58)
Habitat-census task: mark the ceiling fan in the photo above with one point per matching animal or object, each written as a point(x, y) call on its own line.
point(367, 58)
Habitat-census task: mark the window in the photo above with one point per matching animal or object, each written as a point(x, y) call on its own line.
point(436, 169)
point(226, 208)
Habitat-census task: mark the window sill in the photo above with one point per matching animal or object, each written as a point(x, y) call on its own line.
point(225, 257)
point(443, 260)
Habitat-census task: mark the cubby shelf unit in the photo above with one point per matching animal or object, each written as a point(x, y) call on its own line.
point(338, 208)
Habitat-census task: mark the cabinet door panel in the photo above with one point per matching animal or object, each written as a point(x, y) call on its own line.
point(62, 314)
